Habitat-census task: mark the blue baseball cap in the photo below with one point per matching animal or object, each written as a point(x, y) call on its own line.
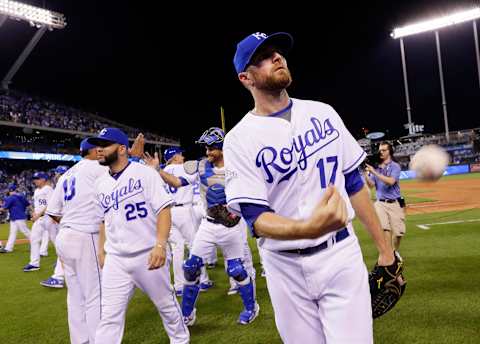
point(85, 145)
point(40, 175)
point(108, 136)
point(12, 187)
point(170, 152)
point(249, 45)
point(61, 169)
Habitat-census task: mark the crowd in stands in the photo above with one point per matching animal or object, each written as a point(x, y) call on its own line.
point(20, 108)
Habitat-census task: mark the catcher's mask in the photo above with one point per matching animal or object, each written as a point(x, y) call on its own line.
point(212, 137)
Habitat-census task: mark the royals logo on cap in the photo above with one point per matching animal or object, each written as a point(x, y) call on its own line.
point(249, 45)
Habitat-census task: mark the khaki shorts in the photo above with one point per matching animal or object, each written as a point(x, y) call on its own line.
point(392, 217)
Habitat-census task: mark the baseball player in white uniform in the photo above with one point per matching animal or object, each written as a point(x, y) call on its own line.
point(133, 242)
point(291, 171)
point(183, 219)
point(219, 227)
point(73, 206)
point(57, 280)
point(41, 223)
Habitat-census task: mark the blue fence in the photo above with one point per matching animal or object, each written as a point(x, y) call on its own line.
point(38, 156)
point(454, 169)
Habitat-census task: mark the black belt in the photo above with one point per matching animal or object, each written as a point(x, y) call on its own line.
point(388, 200)
point(182, 204)
point(343, 234)
point(212, 220)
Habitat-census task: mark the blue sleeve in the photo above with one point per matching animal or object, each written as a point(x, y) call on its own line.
point(395, 172)
point(184, 181)
point(353, 182)
point(7, 203)
point(26, 202)
point(251, 212)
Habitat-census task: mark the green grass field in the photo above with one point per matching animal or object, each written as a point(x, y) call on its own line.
point(441, 303)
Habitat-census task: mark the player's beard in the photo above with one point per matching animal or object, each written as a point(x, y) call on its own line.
point(275, 81)
point(109, 159)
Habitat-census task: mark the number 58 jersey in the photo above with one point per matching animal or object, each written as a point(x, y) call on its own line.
point(130, 201)
point(74, 197)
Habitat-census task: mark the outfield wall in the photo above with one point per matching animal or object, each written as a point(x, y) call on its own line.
point(450, 170)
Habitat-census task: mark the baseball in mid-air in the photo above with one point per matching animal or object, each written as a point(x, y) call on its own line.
point(429, 163)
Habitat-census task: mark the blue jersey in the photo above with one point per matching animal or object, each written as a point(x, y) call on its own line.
point(17, 205)
point(384, 191)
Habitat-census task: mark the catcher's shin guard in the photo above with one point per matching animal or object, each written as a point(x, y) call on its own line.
point(246, 288)
point(189, 298)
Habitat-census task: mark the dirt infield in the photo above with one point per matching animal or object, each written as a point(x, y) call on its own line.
point(449, 195)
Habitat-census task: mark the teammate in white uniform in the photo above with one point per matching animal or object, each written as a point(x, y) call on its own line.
point(57, 280)
point(281, 159)
point(183, 222)
point(73, 205)
point(219, 227)
point(133, 243)
point(41, 223)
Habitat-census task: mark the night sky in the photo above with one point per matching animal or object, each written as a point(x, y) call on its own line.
point(170, 68)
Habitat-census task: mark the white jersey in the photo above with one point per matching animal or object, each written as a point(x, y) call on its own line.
point(74, 197)
point(183, 195)
point(287, 163)
point(131, 201)
point(41, 197)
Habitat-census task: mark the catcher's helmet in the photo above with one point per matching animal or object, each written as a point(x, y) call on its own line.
point(212, 137)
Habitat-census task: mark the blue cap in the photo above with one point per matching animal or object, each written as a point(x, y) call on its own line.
point(247, 47)
point(12, 187)
point(212, 137)
point(170, 152)
point(40, 175)
point(106, 135)
point(61, 169)
point(85, 145)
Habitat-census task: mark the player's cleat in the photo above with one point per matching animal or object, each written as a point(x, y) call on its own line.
point(2, 250)
point(206, 285)
point(179, 293)
point(263, 274)
point(246, 317)
point(211, 265)
point(232, 290)
point(53, 283)
point(190, 320)
point(43, 254)
point(29, 267)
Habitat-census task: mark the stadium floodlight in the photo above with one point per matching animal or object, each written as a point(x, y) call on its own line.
point(36, 16)
point(437, 23)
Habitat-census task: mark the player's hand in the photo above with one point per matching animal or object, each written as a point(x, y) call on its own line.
point(138, 146)
point(101, 259)
point(369, 168)
point(329, 215)
point(157, 257)
point(35, 217)
point(152, 161)
point(386, 258)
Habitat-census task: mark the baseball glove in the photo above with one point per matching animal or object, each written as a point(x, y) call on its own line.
point(220, 213)
point(387, 285)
